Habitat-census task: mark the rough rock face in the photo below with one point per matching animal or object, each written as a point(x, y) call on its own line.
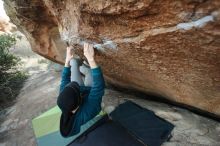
point(165, 47)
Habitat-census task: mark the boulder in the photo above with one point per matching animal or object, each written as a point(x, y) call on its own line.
point(161, 47)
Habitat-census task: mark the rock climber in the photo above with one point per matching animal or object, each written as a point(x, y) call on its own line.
point(81, 91)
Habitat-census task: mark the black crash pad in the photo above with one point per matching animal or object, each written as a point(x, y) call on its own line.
point(142, 123)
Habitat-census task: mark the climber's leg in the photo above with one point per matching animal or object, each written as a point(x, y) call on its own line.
point(75, 73)
point(88, 75)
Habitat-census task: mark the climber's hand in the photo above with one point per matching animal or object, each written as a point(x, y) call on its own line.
point(69, 56)
point(89, 54)
point(89, 51)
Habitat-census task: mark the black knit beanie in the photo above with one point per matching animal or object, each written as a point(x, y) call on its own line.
point(69, 98)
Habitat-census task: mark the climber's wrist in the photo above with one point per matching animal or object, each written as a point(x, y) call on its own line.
point(67, 63)
point(92, 63)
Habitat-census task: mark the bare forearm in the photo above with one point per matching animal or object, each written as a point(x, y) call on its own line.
point(69, 56)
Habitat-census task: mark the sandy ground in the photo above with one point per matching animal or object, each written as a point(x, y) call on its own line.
point(40, 91)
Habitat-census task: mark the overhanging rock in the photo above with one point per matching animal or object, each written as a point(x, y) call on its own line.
point(168, 48)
